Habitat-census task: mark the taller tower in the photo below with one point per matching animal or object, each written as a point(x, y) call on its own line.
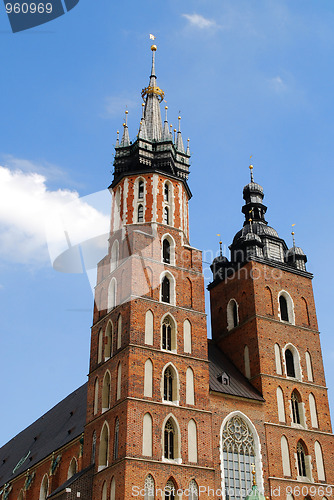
point(148, 402)
point(264, 319)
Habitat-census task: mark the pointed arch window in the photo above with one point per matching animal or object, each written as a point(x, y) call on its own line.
point(295, 402)
point(166, 215)
point(167, 334)
point(104, 447)
point(232, 314)
point(169, 440)
point(238, 455)
point(166, 251)
point(283, 308)
point(140, 213)
point(116, 439)
point(149, 488)
point(73, 467)
point(165, 289)
point(100, 346)
point(170, 490)
point(43, 492)
point(140, 190)
point(106, 392)
point(290, 364)
point(168, 384)
point(96, 396)
point(166, 193)
point(193, 490)
point(109, 340)
point(301, 460)
point(93, 448)
point(104, 491)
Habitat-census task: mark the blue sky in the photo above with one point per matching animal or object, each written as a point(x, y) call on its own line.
point(251, 77)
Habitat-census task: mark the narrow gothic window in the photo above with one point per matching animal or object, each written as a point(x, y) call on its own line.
point(169, 441)
point(283, 308)
point(170, 491)
point(166, 215)
point(165, 290)
point(140, 216)
point(301, 460)
point(43, 493)
point(168, 385)
point(140, 190)
point(166, 251)
point(116, 440)
point(167, 335)
point(104, 447)
point(232, 314)
point(295, 408)
point(235, 314)
point(193, 490)
point(166, 193)
point(93, 448)
point(149, 488)
point(290, 365)
point(238, 455)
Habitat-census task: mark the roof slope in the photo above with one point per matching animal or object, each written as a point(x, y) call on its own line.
point(59, 426)
point(238, 385)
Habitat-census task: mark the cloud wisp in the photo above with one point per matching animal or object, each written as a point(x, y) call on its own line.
point(201, 22)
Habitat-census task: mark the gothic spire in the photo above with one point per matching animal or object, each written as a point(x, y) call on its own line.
point(142, 128)
point(152, 96)
point(125, 139)
point(166, 135)
point(179, 141)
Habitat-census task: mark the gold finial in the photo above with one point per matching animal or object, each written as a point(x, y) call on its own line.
point(188, 139)
point(143, 104)
point(123, 124)
point(293, 236)
point(251, 172)
point(175, 130)
point(126, 111)
point(166, 107)
point(179, 117)
point(254, 473)
point(117, 132)
point(153, 48)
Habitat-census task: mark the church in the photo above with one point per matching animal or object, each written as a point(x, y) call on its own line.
point(167, 414)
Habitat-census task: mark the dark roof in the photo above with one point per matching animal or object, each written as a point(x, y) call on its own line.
point(59, 426)
point(70, 481)
point(238, 384)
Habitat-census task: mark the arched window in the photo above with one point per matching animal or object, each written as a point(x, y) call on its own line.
point(165, 290)
point(149, 488)
point(247, 362)
point(289, 363)
point(296, 408)
point(319, 461)
point(20, 497)
point(140, 190)
point(119, 381)
point(190, 390)
point(113, 489)
point(313, 411)
point(96, 396)
point(166, 193)
point(140, 213)
point(309, 369)
point(278, 362)
point(148, 378)
point(193, 490)
point(100, 346)
point(306, 316)
point(104, 491)
point(104, 446)
point(232, 314)
point(106, 392)
point(301, 460)
point(73, 468)
point(116, 439)
point(166, 251)
point(283, 308)
point(170, 493)
point(167, 334)
point(166, 215)
point(285, 456)
point(169, 438)
point(117, 209)
point(168, 384)
point(109, 341)
point(112, 294)
point(238, 448)
point(93, 448)
point(147, 435)
point(43, 492)
point(114, 256)
point(119, 331)
point(149, 320)
point(187, 336)
point(192, 441)
point(286, 308)
point(280, 405)
point(269, 301)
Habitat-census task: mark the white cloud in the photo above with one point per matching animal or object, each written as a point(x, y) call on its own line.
point(199, 21)
point(277, 84)
point(28, 208)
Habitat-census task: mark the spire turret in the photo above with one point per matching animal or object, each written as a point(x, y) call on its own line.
point(125, 138)
point(166, 135)
point(179, 141)
point(142, 127)
point(152, 96)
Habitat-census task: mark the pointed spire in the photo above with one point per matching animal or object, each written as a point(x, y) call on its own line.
point(152, 96)
point(125, 139)
point(188, 148)
point(179, 141)
point(117, 140)
point(142, 128)
point(251, 172)
point(293, 237)
point(165, 132)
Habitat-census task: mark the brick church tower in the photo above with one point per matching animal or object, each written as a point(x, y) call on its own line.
point(264, 319)
point(148, 380)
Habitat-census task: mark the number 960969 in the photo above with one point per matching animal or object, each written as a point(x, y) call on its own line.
point(32, 8)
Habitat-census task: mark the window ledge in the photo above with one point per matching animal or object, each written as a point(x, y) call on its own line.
point(101, 467)
point(304, 479)
point(172, 403)
point(172, 461)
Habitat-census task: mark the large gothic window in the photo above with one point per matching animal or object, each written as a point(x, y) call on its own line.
point(169, 440)
point(166, 251)
point(167, 335)
point(238, 455)
point(290, 365)
point(283, 308)
point(168, 385)
point(165, 290)
point(301, 460)
point(149, 488)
